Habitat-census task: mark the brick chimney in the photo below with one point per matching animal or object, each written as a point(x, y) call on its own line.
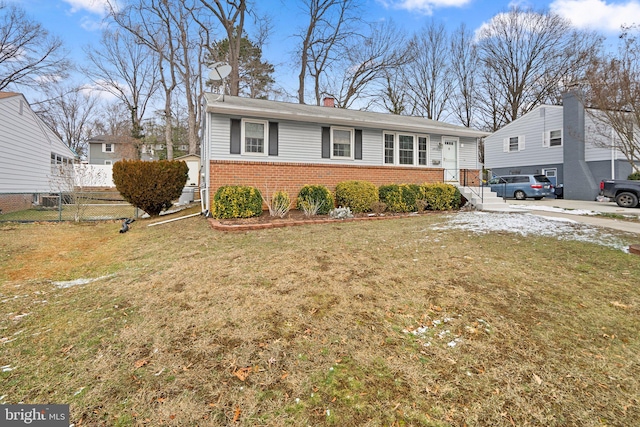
point(329, 101)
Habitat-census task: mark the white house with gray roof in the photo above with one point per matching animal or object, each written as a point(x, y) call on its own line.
point(277, 145)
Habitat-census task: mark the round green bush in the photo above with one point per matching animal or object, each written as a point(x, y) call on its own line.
point(441, 196)
point(236, 201)
point(400, 198)
point(318, 195)
point(150, 186)
point(357, 195)
point(634, 176)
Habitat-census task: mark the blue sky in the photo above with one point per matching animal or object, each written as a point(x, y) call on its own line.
point(78, 22)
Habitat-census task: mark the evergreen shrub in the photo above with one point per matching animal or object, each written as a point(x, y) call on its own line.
point(150, 186)
point(315, 195)
point(400, 198)
point(236, 201)
point(440, 196)
point(634, 176)
point(357, 195)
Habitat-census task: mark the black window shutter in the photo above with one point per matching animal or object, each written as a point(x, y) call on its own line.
point(235, 136)
point(273, 138)
point(358, 148)
point(326, 143)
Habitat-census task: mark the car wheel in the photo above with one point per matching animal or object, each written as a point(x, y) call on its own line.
point(627, 200)
point(520, 195)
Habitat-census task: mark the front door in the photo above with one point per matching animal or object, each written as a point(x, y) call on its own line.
point(450, 159)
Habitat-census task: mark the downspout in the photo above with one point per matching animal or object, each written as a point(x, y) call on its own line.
point(613, 154)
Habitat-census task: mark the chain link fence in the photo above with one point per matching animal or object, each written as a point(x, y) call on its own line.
point(72, 206)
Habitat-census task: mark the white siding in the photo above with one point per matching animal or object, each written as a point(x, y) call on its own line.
point(533, 126)
point(302, 143)
point(26, 145)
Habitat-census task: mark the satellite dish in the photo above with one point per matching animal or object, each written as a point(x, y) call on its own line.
point(219, 70)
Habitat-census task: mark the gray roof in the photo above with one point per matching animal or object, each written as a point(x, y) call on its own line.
point(237, 106)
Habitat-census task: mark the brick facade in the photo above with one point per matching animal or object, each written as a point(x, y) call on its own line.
point(290, 177)
point(15, 202)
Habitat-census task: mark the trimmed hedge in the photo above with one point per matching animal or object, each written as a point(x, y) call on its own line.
point(440, 196)
point(356, 195)
point(400, 197)
point(316, 194)
point(150, 186)
point(236, 201)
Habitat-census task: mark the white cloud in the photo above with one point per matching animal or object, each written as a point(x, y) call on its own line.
point(99, 7)
point(598, 14)
point(423, 6)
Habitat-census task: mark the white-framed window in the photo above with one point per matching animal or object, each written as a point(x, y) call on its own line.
point(513, 144)
point(423, 151)
point(107, 147)
point(389, 148)
point(108, 162)
point(405, 149)
point(342, 143)
point(552, 138)
point(254, 137)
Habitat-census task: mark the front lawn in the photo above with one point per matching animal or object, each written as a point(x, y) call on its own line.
point(348, 324)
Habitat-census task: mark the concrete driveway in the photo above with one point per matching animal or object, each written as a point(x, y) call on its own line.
point(583, 211)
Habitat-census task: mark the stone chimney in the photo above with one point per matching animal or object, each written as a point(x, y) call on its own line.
point(329, 101)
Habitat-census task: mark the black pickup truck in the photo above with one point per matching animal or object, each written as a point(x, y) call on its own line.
point(626, 193)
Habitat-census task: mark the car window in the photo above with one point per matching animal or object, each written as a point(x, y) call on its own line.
point(542, 178)
point(521, 179)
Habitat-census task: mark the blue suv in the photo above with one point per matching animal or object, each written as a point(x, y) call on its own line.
point(521, 186)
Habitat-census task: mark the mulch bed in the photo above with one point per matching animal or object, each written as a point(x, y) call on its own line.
point(295, 218)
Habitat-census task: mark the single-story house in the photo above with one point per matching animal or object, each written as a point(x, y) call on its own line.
point(282, 146)
point(33, 156)
point(563, 142)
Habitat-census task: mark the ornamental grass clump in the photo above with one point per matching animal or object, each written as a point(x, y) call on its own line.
point(315, 200)
point(150, 186)
point(280, 204)
point(236, 201)
point(356, 195)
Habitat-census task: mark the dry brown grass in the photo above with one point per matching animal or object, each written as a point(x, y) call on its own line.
point(318, 325)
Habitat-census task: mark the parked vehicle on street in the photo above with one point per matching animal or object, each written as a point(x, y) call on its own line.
point(521, 186)
point(626, 193)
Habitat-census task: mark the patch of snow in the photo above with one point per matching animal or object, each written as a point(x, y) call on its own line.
point(531, 225)
point(76, 282)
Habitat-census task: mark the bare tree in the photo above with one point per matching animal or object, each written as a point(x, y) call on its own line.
point(368, 59)
point(430, 77)
point(150, 22)
point(614, 89)
point(464, 65)
point(231, 14)
point(322, 40)
point(528, 55)
point(126, 69)
point(29, 55)
point(70, 112)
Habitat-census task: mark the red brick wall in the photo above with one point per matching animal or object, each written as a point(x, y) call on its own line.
point(270, 177)
point(15, 202)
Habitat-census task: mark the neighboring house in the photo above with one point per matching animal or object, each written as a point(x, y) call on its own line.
point(283, 146)
point(563, 142)
point(108, 149)
point(32, 157)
